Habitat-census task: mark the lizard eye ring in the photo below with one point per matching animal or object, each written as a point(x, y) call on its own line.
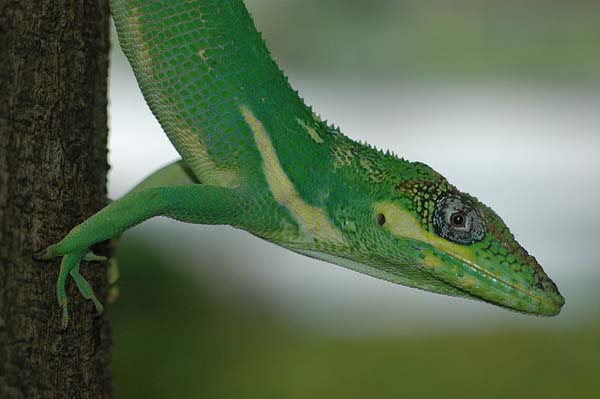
point(457, 220)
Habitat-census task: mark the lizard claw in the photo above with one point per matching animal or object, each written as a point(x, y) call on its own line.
point(44, 254)
point(112, 271)
point(92, 257)
point(86, 289)
point(70, 266)
point(113, 294)
point(64, 322)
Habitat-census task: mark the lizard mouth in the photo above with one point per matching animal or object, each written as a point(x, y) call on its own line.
point(492, 288)
point(452, 275)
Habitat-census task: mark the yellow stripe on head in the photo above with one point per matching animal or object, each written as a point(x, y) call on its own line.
point(402, 223)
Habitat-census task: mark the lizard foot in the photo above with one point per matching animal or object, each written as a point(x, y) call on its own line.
point(69, 266)
point(113, 276)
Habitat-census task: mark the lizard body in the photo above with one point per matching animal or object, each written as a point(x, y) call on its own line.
point(255, 157)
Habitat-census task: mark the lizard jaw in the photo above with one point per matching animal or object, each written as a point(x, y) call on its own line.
point(475, 279)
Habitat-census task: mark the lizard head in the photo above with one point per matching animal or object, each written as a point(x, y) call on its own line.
point(455, 245)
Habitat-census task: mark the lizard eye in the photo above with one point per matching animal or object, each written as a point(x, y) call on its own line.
point(381, 219)
point(456, 220)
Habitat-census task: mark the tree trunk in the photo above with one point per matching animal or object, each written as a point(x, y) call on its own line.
point(53, 71)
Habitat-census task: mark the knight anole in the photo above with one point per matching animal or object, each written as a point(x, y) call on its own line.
point(255, 157)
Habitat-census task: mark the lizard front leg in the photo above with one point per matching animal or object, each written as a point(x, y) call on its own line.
point(190, 203)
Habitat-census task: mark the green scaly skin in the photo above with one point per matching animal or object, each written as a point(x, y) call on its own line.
point(255, 157)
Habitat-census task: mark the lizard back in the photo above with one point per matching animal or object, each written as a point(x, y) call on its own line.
point(199, 64)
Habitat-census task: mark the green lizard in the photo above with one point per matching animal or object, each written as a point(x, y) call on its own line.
point(255, 157)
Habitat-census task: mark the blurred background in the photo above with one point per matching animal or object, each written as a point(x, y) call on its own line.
point(501, 97)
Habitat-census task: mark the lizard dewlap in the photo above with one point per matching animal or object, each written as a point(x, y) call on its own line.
point(255, 157)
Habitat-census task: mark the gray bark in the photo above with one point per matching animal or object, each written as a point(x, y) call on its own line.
point(53, 71)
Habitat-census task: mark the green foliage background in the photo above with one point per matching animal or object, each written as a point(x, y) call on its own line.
point(173, 340)
point(408, 39)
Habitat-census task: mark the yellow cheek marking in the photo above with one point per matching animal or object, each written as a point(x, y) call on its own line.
point(310, 218)
point(310, 130)
point(402, 224)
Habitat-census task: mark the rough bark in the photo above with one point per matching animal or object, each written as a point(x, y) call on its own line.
point(53, 71)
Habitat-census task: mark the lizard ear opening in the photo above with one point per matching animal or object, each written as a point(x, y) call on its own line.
point(380, 219)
